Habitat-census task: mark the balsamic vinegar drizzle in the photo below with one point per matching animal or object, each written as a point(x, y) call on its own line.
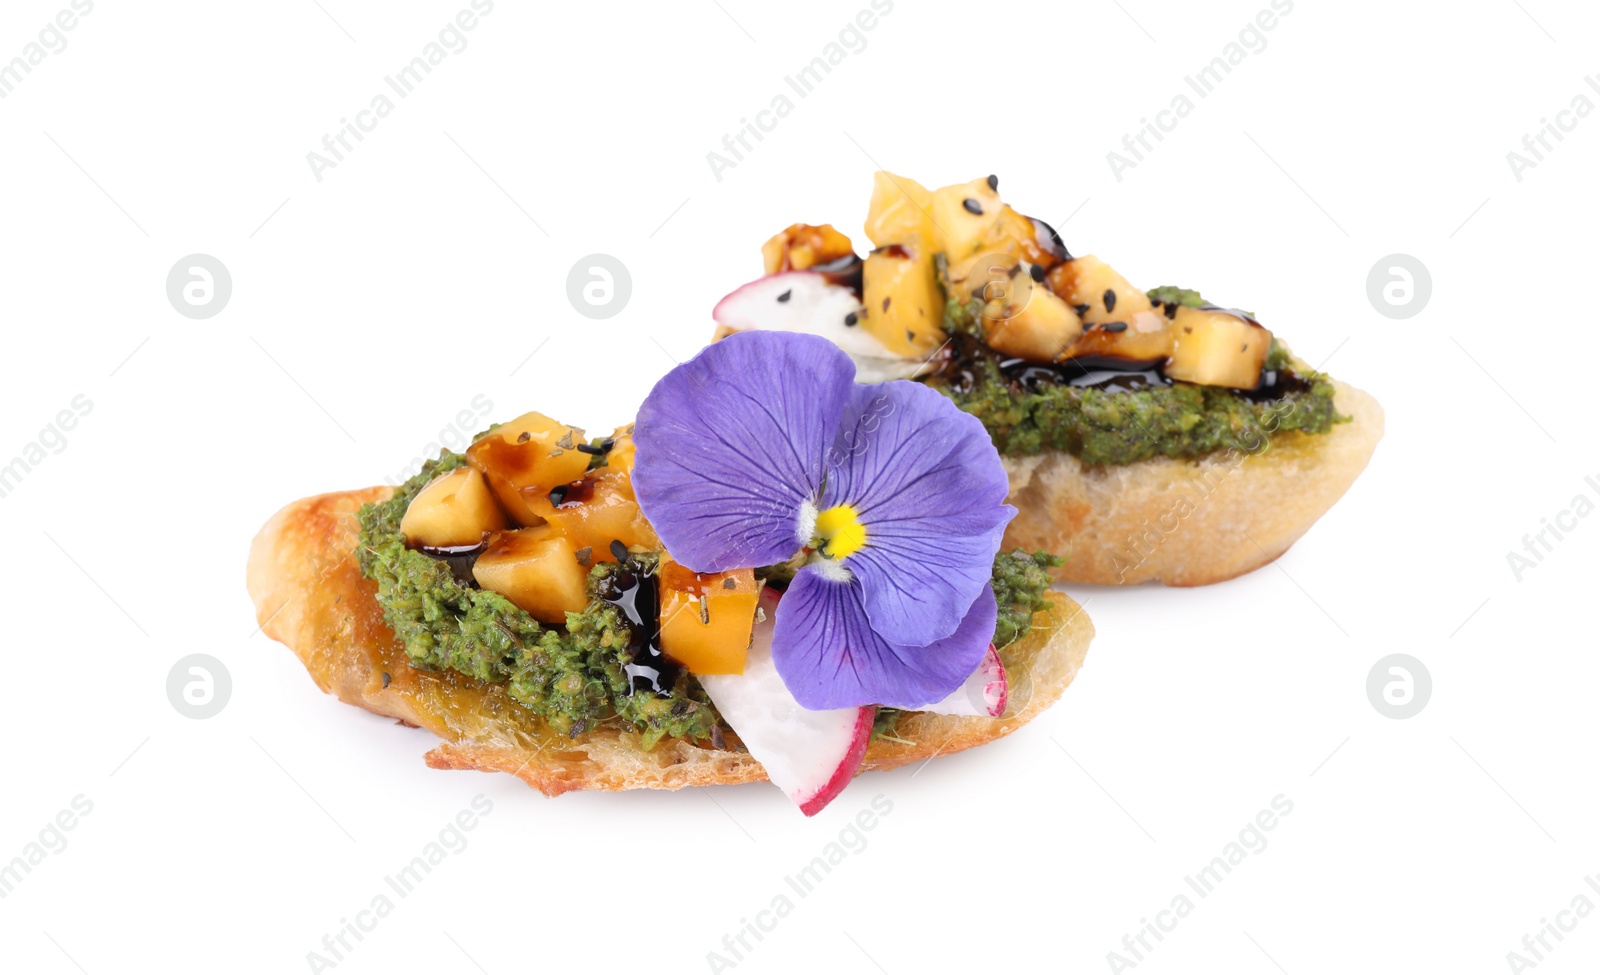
point(636, 595)
point(1049, 241)
point(1106, 375)
point(845, 271)
point(460, 559)
point(632, 590)
point(964, 368)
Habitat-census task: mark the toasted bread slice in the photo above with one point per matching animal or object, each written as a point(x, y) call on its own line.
point(1189, 522)
point(310, 595)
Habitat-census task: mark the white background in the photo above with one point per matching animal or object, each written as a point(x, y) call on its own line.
point(372, 306)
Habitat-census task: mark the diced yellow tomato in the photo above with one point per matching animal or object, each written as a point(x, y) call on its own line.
point(964, 216)
point(1010, 238)
point(596, 510)
point(1038, 330)
point(524, 459)
point(706, 619)
point(1098, 292)
point(1218, 348)
point(900, 212)
point(1146, 337)
point(537, 569)
point(803, 246)
point(904, 302)
point(619, 459)
point(454, 509)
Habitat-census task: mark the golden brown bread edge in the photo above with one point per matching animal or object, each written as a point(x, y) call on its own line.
point(1189, 522)
point(309, 594)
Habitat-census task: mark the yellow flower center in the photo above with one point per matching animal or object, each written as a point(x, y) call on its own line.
point(839, 532)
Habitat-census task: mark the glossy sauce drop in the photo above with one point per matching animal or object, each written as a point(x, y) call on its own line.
point(964, 369)
point(1106, 375)
point(844, 271)
point(1046, 249)
point(637, 597)
point(460, 559)
point(574, 495)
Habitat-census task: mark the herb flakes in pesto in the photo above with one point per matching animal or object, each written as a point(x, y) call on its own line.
point(573, 679)
point(1101, 426)
point(1020, 583)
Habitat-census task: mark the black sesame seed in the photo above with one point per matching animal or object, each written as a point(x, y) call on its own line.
point(619, 551)
point(973, 206)
point(386, 678)
point(524, 437)
point(993, 181)
point(729, 584)
point(786, 295)
point(1244, 347)
point(1110, 300)
point(590, 449)
point(1172, 309)
point(1036, 271)
point(1114, 327)
point(910, 335)
point(850, 319)
point(558, 496)
point(886, 302)
point(1082, 310)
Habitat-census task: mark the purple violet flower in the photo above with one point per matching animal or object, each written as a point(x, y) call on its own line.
point(763, 446)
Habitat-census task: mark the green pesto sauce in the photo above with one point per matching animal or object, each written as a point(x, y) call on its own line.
point(570, 676)
point(1172, 294)
point(573, 676)
point(1099, 427)
point(1020, 582)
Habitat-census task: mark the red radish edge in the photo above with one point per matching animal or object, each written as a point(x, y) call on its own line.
point(1004, 682)
point(847, 769)
point(718, 312)
point(984, 693)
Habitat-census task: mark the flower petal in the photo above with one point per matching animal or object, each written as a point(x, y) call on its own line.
point(926, 481)
point(830, 657)
point(731, 444)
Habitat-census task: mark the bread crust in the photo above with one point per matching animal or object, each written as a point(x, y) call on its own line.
point(1189, 522)
point(310, 595)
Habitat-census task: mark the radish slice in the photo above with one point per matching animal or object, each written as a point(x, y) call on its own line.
point(805, 301)
point(810, 755)
point(981, 695)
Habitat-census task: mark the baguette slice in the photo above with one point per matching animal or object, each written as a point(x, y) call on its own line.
point(1189, 522)
point(310, 595)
